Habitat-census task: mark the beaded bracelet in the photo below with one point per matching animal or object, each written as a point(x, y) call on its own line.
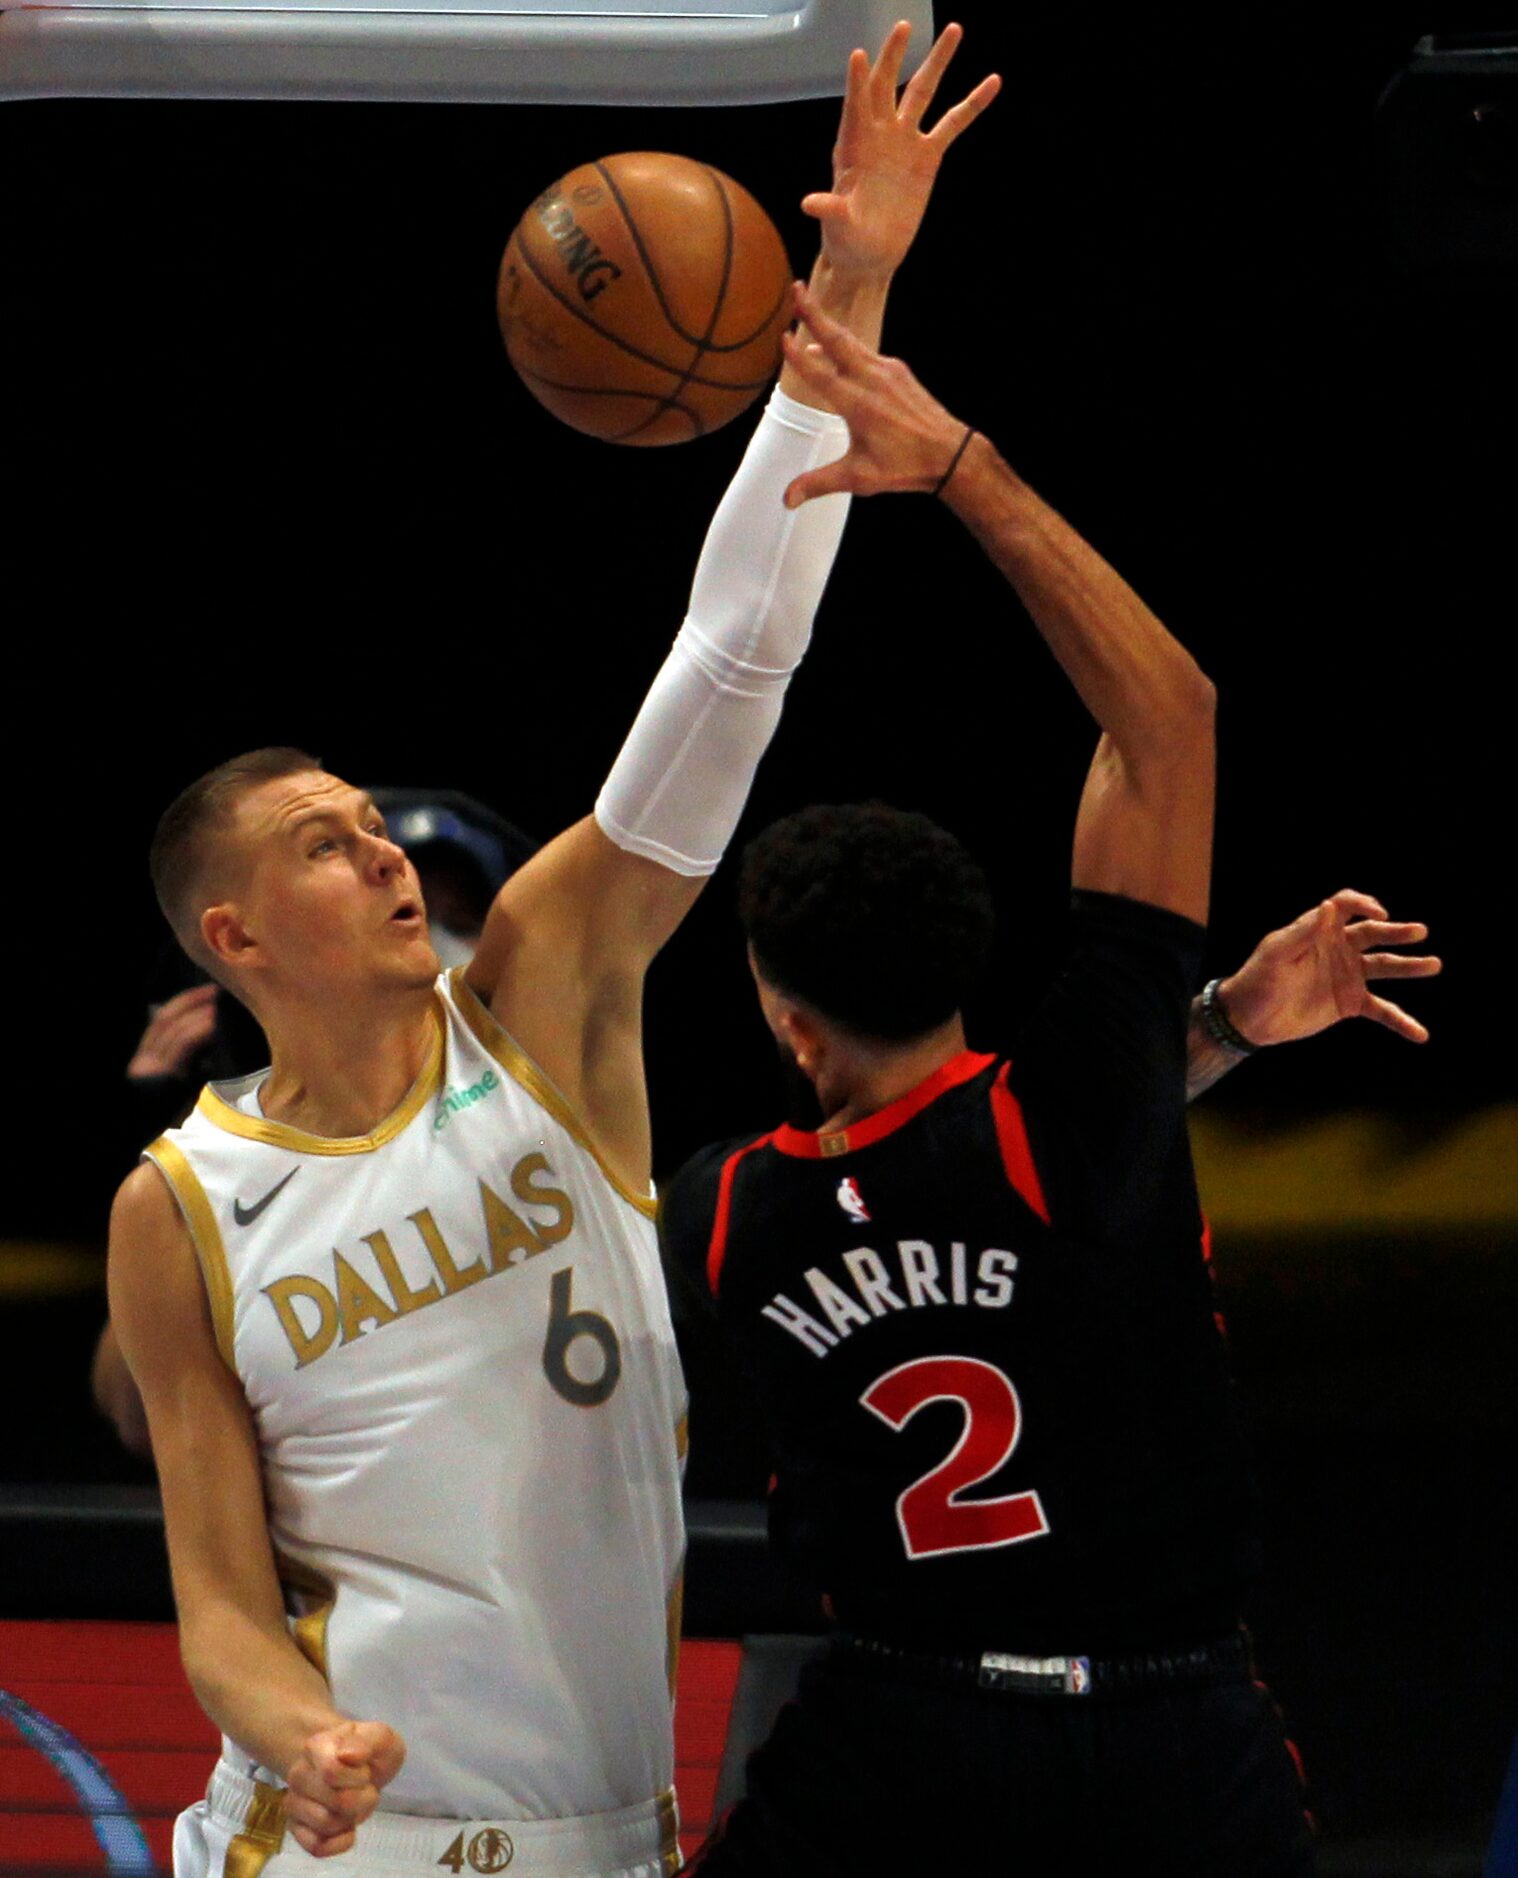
point(1217, 1024)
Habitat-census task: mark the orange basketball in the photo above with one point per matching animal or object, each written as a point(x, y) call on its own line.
point(642, 298)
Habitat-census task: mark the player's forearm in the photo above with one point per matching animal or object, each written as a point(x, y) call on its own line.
point(678, 787)
point(254, 1684)
point(857, 302)
point(1138, 682)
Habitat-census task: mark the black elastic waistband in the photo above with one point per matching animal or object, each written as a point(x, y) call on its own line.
point(1217, 1660)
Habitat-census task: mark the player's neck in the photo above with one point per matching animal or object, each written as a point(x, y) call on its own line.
point(858, 1080)
point(340, 1073)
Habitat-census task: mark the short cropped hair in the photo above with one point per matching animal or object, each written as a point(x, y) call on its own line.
point(185, 838)
point(876, 917)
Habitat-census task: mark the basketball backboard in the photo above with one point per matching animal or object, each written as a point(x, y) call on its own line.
point(436, 51)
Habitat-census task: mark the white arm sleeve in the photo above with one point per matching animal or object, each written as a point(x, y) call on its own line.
point(678, 787)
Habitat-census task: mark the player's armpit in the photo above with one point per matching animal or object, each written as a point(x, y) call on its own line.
point(1144, 828)
point(242, 1663)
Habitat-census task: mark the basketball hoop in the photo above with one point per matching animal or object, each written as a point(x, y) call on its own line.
point(449, 51)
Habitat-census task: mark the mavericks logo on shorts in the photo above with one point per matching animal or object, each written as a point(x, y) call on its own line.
point(490, 1850)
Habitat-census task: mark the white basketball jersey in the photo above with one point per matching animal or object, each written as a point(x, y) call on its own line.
point(454, 1338)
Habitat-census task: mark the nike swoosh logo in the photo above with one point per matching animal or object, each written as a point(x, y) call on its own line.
point(245, 1215)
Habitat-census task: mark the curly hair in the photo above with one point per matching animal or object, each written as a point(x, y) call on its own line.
point(875, 916)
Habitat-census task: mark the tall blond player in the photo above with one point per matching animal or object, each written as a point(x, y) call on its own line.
point(392, 1304)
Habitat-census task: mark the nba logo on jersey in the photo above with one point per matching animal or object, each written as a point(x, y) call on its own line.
point(1078, 1675)
point(849, 1199)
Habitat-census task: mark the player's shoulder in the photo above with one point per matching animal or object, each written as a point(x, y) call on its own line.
point(688, 1200)
point(144, 1208)
point(1098, 918)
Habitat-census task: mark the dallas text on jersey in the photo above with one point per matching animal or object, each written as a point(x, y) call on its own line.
point(352, 1300)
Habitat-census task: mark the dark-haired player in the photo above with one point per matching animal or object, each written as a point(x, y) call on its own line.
point(975, 1301)
point(394, 1304)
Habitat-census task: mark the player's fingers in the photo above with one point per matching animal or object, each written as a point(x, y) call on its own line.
point(805, 356)
point(1399, 965)
point(824, 206)
point(920, 87)
point(883, 79)
point(324, 1815)
point(1383, 1011)
point(961, 116)
point(188, 1029)
point(855, 88)
point(371, 1741)
point(389, 1756)
point(1386, 932)
point(1362, 905)
point(336, 1762)
point(841, 346)
point(190, 1000)
point(323, 1845)
point(831, 480)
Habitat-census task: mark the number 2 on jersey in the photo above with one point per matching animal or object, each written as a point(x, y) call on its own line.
point(932, 1517)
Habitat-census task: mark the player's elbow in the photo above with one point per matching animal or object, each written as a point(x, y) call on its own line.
point(1195, 701)
point(1177, 726)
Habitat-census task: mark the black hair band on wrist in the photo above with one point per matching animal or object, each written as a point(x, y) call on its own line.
point(1219, 1026)
point(964, 444)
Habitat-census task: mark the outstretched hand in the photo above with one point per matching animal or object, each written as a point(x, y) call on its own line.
point(1318, 970)
point(884, 163)
point(335, 1784)
point(900, 436)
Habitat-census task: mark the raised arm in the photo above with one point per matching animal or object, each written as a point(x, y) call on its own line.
point(241, 1660)
point(568, 943)
point(1145, 824)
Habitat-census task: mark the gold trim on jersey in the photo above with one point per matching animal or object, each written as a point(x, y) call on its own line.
point(521, 1068)
point(262, 1835)
point(205, 1236)
point(669, 1832)
point(308, 1629)
point(281, 1135)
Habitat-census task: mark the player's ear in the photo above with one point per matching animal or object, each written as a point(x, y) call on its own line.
point(801, 1033)
point(226, 937)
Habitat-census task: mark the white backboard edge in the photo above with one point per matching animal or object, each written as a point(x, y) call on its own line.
point(474, 58)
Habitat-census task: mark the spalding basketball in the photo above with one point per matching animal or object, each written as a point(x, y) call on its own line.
point(642, 298)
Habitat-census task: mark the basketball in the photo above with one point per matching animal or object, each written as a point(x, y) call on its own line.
point(642, 298)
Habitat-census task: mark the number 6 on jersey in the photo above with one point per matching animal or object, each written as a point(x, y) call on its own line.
point(932, 1517)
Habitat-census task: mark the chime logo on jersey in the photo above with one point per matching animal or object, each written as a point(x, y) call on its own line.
point(851, 1200)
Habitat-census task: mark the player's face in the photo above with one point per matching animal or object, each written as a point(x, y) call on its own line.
point(328, 898)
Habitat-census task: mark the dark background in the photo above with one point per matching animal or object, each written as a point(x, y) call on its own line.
point(270, 479)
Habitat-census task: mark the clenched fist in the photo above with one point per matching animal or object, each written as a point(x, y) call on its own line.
point(335, 1784)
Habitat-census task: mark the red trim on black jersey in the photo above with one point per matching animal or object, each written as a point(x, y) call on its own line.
point(1219, 1320)
point(716, 1251)
point(1016, 1154)
point(822, 1147)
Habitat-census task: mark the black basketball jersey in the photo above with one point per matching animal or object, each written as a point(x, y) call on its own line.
point(982, 1328)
